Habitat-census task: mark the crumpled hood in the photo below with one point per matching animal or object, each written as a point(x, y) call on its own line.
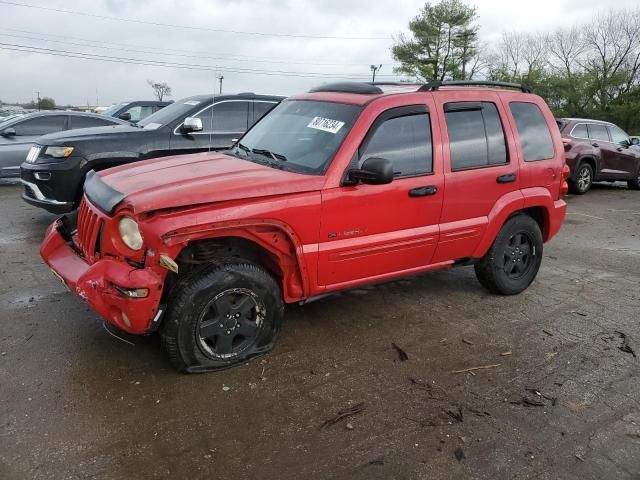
point(186, 180)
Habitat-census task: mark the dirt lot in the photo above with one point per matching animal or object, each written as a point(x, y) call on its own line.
point(78, 403)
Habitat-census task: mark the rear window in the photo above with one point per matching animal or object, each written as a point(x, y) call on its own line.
point(580, 131)
point(476, 136)
point(535, 137)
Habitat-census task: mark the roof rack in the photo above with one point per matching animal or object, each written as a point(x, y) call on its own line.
point(436, 84)
point(394, 84)
point(348, 87)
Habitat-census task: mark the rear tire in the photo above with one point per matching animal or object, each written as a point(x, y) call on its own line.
point(513, 261)
point(584, 179)
point(222, 317)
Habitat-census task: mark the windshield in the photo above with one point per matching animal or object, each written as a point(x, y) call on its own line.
point(300, 135)
point(113, 108)
point(170, 113)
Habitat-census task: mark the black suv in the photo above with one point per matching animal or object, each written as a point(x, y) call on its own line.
point(54, 171)
point(134, 111)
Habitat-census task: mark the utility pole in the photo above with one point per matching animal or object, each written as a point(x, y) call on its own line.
point(374, 69)
point(220, 78)
point(38, 94)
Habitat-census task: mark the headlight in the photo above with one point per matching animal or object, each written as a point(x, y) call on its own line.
point(58, 152)
point(130, 233)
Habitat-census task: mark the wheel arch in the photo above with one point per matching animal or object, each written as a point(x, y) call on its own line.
point(270, 245)
point(590, 160)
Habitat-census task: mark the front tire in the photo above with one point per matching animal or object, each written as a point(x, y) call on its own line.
point(224, 316)
point(634, 184)
point(584, 179)
point(513, 261)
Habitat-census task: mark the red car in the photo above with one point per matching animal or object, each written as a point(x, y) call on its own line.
point(598, 151)
point(346, 185)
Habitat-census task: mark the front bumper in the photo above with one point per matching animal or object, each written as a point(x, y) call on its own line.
point(54, 186)
point(96, 284)
point(34, 196)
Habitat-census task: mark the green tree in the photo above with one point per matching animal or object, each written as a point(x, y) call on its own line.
point(443, 42)
point(47, 103)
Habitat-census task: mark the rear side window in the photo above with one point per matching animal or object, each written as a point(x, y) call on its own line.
point(598, 132)
point(260, 109)
point(404, 140)
point(476, 136)
point(535, 137)
point(580, 131)
point(88, 122)
point(40, 126)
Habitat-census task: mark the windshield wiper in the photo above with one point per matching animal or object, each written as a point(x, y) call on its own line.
point(243, 148)
point(268, 153)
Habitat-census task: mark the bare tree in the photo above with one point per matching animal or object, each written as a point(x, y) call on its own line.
point(160, 89)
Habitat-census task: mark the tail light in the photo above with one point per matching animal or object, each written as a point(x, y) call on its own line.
point(564, 186)
point(567, 144)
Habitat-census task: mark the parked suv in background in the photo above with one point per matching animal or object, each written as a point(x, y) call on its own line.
point(134, 111)
point(598, 151)
point(186, 126)
point(346, 185)
point(17, 135)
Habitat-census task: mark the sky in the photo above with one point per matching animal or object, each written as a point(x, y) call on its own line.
point(263, 46)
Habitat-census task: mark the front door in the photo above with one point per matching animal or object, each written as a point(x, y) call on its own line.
point(371, 231)
point(228, 120)
point(620, 157)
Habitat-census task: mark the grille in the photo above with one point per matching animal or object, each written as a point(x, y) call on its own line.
point(89, 225)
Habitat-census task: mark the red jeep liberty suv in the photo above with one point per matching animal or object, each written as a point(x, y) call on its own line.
point(348, 184)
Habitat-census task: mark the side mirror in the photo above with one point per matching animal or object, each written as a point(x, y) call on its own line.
point(191, 124)
point(125, 116)
point(374, 171)
point(8, 132)
point(635, 141)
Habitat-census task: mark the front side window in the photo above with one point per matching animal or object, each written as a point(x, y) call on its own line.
point(476, 135)
point(535, 137)
point(139, 112)
point(404, 140)
point(618, 136)
point(598, 132)
point(227, 117)
point(40, 126)
point(300, 135)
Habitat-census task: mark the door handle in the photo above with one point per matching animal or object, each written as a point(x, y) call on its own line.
point(423, 191)
point(507, 178)
point(594, 144)
point(620, 149)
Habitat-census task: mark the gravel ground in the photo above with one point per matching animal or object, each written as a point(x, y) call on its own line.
point(560, 402)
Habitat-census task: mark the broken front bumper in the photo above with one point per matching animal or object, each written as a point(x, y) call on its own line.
point(102, 283)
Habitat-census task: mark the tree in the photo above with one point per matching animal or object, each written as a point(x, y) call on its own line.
point(47, 103)
point(443, 43)
point(160, 89)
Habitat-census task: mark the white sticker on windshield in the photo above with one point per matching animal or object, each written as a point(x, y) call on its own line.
point(192, 102)
point(326, 124)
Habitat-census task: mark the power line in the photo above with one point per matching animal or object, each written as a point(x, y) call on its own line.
point(187, 27)
point(158, 63)
point(163, 51)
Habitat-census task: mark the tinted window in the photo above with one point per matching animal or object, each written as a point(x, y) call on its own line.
point(260, 109)
point(476, 136)
point(229, 117)
point(580, 131)
point(598, 132)
point(535, 137)
point(618, 135)
point(405, 141)
point(177, 111)
point(40, 125)
point(88, 122)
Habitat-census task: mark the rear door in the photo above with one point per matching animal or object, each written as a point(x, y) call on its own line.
point(369, 231)
point(14, 149)
point(480, 167)
point(604, 149)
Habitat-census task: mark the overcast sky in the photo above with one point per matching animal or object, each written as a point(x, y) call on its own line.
point(78, 81)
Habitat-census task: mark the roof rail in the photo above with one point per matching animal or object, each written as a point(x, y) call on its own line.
point(348, 87)
point(394, 84)
point(436, 84)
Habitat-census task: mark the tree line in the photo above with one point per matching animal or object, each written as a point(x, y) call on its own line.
point(589, 70)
